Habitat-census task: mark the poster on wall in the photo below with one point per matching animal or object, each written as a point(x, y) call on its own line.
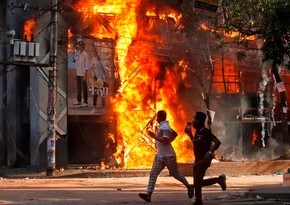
point(90, 77)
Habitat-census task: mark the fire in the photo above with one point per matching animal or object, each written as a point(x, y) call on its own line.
point(231, 34)
point(238, 34)
point(151, 13)
point(137, 104)
point(147, 85)
point(28, 29)
point(255, 138)
point(228, 80)
point(204, 27)
point(70, 47)
point(164, 15)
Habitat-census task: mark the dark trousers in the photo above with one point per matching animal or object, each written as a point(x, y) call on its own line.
point(95, 98)
point(101, 93)
point(82, 87)
point(199, 170)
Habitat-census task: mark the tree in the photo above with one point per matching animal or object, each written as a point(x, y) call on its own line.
point(267, 20)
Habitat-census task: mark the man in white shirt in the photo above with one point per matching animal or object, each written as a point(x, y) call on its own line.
point(82, 67)
point(165, 156)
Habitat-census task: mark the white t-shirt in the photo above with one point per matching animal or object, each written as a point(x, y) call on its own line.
point(82, 63)
point(164, 149)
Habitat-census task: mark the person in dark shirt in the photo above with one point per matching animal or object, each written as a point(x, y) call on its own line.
point(204, 144)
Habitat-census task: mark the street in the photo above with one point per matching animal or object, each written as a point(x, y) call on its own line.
point(168, 191)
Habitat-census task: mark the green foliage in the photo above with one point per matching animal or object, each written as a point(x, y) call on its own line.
point(268, 20)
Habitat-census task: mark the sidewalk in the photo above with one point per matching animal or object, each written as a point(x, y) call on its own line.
point(22, 186)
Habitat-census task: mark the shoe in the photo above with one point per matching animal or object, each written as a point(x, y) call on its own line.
point(93, 111)
point(145, 197)
point(190, 191)
point(76, 103)
point(222, 182)
point(84, 105)
point(198, 202)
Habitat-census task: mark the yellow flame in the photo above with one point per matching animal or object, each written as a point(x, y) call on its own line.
point(142, 91)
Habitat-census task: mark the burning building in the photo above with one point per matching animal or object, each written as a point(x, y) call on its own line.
point(151, 65)
point(174, 72)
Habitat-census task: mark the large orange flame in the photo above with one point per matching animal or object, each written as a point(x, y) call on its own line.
point(146, 84)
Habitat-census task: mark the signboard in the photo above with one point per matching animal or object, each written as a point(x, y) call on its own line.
point(206, 6)
point(90, 96)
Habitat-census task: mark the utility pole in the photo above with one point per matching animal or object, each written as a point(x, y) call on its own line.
point(52, 92)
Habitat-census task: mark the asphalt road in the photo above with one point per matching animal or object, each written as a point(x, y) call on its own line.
point(124, 191)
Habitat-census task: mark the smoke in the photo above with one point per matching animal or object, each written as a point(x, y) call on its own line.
point(261, 110)
point(219, 129)
point(269, 152)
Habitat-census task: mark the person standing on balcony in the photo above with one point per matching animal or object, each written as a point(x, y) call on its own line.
point(204, 145)
point(165, 156)
point(82, 67)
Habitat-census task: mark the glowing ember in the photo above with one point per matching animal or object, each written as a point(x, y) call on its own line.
point(255, 138)
point(70, 47)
